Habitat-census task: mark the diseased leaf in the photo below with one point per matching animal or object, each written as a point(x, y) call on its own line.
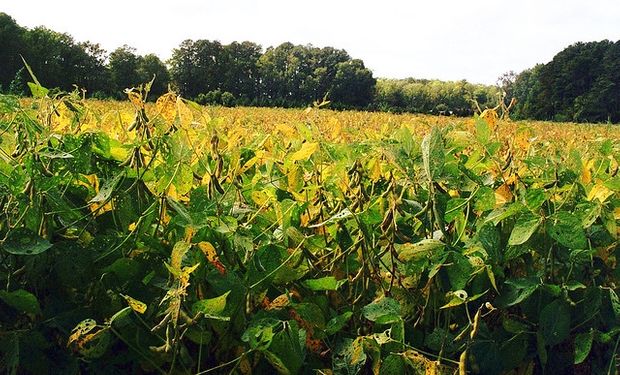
point(136, 305)
point(385, 310)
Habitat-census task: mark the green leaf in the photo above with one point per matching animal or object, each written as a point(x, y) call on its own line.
point(489, 237)
point(483, 131)
point(337, 323)
point(324, 283)
point(23, 241)
point(393, 364)
point(555, 322)
point(526, 225)
point(459, 272)
point(514, 326)
point(523, 289)
point(534, 198)
point(21, 300)
point(386, 310)
point(409, 251)
point(485, 199)
point(212, 308)
point(287, 350)
point(583, 345)
point(566, 229)
point(433, 155)
point(260, 334)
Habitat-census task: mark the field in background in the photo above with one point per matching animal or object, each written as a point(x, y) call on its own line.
point(169, 237)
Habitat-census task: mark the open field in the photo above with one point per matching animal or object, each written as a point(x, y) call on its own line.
point(173, 238)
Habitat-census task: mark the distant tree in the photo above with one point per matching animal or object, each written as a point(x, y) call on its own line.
point(11, 46)
point(353, 84)
point(123, 66)
point(149, 67)
point(197, 67)
point(241, 71)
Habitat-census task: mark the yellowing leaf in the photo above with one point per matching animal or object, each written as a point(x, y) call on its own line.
point(600, 192)
point(178, 252)
point(287, 131)
point(490, 116)
point(136, 305)
point(84, 327)
point(166, 106)
point(503, 195)
point(260, 197)
point(586, 172)
point(375, 174)
point(306, 150)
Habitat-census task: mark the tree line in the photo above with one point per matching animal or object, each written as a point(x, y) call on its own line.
point(581, 83)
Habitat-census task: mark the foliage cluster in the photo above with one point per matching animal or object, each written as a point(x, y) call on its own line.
point(579, 84)
point(179, 242)
point(433, 96)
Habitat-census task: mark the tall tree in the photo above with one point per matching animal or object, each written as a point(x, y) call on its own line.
point(11, 46)
point(123, 67)
point(353, 84)
point(149, 67)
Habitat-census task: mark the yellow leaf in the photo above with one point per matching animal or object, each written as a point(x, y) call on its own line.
point(260, 197)
point(503, 195)
point(137, 306)
point(490, 116)
point(586, 172)
point(306, 150)
point(208, 250)
point(600, 192)
point(166, 106)
point(375, 174)
point(287, 131)
point(135, 98)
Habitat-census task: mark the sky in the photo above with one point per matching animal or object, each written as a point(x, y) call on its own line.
point(477, 40)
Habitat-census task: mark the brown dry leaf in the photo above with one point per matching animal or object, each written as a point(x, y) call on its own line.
point(279, 302)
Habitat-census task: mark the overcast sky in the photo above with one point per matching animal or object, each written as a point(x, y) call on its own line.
point(477, 40)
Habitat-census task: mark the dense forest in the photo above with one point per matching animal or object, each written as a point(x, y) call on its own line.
point(579, 84)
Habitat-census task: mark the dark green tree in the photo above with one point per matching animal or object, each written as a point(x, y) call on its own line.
point(11, 46)
point(123, 66)
point(149, 67)
point(353, 84)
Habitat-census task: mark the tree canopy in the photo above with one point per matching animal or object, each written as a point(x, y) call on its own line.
point(581, 83)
